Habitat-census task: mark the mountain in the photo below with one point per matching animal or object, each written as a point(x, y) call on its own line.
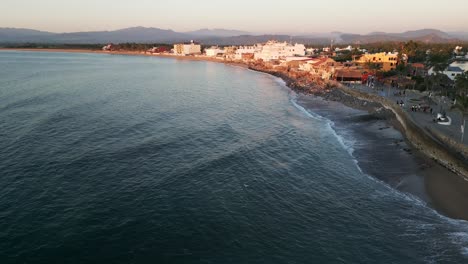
point(217, 32)
point(422, 33)
point(134, 34)
point(22, 34)
point(463, 35)
point(251, 40)
point(215, 36)
point(425, 35)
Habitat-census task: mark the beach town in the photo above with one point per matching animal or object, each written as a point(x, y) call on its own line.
point(421, 92)
point(389, 74)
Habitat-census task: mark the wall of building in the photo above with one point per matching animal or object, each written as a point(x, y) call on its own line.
point(388, 61)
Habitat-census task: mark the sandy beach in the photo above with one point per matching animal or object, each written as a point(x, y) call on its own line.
point(382, 152)
point(131, 53)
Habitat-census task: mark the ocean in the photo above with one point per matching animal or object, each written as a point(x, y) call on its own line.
point(125, 159)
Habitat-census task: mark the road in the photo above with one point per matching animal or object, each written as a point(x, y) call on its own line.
point(422, 119)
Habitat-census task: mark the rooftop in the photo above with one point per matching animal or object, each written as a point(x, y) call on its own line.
point(454, 69)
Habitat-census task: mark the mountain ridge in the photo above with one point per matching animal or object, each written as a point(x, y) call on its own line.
point(217, 36)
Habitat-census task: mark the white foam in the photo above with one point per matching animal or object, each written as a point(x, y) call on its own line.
point(347, 144)
point(459, 238)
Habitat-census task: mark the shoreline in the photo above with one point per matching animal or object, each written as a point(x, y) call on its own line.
point(129, 53)
point(448, 191)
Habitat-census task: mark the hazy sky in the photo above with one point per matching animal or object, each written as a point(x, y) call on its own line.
point(266, 16)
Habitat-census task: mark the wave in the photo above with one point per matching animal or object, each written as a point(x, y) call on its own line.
point(459, 238)
point(347, 144)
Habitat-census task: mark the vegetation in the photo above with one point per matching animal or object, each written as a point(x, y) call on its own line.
point(461, 84)
point(140, 46)
point(121, 46)
point(347, 55)
point(53, 46)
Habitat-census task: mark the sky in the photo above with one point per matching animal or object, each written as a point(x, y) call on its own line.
point(256, 16)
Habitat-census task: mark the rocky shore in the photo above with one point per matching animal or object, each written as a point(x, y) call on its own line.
point(451, 156)
point(444, 165)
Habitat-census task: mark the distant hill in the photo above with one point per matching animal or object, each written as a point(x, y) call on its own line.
point(22, 34)
point(251, 39)
point(460, 35)
point(215, 36)
point(425, 35)
point(217, 32)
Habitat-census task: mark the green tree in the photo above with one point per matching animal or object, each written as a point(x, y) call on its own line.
point(461, 104)
point(410, 48)
point(461, 84)
point(373, 67)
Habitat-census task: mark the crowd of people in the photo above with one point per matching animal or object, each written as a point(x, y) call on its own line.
point(421, 108)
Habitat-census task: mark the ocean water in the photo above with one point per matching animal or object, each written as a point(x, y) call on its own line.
point(119, 159)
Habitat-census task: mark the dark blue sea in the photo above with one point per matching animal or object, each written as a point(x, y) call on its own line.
point(121, 159)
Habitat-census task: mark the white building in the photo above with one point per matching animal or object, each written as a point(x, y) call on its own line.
point(214, 51)
point(458, 50)
point(242, 50)
point(107, 47)
point(451, 72)
point(349, 48)
point(273, 50)
point(462, 64)
point(190, 48)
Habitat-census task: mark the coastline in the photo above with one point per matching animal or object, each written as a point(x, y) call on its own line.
point(130, 53)
point(448, 192)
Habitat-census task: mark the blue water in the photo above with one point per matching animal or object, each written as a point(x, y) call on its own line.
point(119, 159)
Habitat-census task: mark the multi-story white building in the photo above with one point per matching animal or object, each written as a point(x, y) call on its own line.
point(214, 51)
point(241, 51)
point(273, 50)
point(190, 48)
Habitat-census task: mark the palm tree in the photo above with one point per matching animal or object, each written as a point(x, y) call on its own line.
point(461, 101)
point(461, 104)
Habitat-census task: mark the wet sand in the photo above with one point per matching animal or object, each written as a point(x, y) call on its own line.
point(383, 152)
point(449, 192)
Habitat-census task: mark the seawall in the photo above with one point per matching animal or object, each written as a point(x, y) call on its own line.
point(433, 144)
point(441, 148)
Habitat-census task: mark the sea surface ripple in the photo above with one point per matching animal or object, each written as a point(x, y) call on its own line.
point(119, 159)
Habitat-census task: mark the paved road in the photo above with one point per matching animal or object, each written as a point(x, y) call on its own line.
point(420, 118)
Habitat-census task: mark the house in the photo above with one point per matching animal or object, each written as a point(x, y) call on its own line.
point(462, 64)
point(418, 69)
point(346, 75)
point(246, 52)
point(158, 50)
point(451, 72)
point(214, 51)
point(273, 50)
point(108, 47)
point(188, 48)
point(322, 67)
point(230, 52)
point(387, 60)
point(349, 48)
